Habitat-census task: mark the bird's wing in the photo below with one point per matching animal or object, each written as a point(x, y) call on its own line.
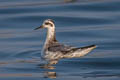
point(61, 48)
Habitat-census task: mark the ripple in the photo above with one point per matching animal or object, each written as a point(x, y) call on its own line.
point(35, 3)
point(78, 23)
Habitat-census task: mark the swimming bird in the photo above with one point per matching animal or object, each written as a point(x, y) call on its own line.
point(53, 51)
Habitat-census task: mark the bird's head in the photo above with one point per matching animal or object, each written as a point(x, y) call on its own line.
point(49, 23)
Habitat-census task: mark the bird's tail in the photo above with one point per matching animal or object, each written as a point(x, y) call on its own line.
point(79, 52)
point(89, 47)
point(85, 50)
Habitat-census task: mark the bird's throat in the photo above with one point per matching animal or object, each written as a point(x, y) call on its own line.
point(50, 38)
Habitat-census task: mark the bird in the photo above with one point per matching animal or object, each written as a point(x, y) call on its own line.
point(53, 51)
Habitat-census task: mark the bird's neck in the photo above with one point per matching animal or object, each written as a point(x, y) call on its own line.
point(51, 37)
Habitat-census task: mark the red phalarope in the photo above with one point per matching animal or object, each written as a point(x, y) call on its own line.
point(53, 51)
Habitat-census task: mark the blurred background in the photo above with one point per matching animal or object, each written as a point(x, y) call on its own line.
point(78, 23)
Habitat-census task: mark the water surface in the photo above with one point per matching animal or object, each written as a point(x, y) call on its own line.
point(78, 23)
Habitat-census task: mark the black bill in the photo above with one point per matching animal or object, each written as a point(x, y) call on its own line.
point(38, 28)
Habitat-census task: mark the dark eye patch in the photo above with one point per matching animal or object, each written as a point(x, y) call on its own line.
point(48, 24)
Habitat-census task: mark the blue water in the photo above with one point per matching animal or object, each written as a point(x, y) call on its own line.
point(78, 23)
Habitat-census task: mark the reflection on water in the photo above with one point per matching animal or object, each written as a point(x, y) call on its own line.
point(47, 67)
point(50, 75)
point(83, 68)
point(53, 75)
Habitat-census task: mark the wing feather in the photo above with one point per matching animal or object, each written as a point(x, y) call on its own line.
point(61, 48)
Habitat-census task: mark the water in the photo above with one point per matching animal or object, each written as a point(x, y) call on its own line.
point(78, 23)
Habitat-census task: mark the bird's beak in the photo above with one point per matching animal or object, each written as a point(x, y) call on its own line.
point(39, 27)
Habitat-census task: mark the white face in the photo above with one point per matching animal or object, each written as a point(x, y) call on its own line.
point(48, 24)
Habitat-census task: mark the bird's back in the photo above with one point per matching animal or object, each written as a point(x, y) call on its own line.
point(68, 51)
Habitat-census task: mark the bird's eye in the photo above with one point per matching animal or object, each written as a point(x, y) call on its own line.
point(47, 23)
